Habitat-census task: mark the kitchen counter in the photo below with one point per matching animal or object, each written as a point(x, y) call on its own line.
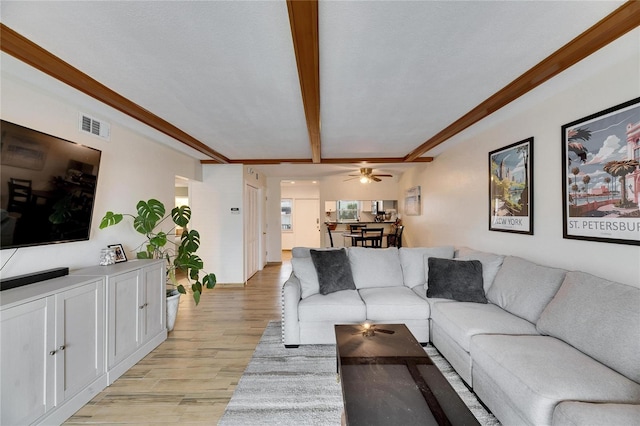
point(387, 222)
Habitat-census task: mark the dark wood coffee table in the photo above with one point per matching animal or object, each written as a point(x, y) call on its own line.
point(388, 379)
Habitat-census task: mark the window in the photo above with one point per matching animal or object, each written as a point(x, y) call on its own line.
point(286, 205)
point(347, 210)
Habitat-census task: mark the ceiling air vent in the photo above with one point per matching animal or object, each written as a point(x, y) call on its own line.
point(94, 126)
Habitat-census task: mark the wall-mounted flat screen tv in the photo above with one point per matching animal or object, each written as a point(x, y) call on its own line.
point(48, 187)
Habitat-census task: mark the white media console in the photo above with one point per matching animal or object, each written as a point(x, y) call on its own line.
point(64, 340)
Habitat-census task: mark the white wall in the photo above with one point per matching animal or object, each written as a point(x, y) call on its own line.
point(274, 236)
point(221, 229)
point(133, 166)
point(455, 185)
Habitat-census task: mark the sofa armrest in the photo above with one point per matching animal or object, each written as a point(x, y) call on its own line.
point(291, 292)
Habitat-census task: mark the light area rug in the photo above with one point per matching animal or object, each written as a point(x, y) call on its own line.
point(299, 386)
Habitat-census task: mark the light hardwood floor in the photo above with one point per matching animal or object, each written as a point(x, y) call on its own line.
point(190, 377)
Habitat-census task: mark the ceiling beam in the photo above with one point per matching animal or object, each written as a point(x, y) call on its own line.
point(303, 19)
point(31, 54)
point(613, 26)
point(377, 160)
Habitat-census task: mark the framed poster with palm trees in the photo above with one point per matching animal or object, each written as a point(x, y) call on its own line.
point(601, 176)
point(511, 188)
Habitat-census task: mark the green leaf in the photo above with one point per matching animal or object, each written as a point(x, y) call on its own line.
point(181, 289)
point(190, 241)
point(194, 274)
point(143, 255)
point(196, 297)
point(159, 240)
point(209, 280)
point(149, 213)
point(195, 262)
point(110, 218)
point(143, 225)
point(181, 215)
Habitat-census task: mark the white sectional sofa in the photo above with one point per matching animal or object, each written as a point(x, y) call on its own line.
point(538, 345)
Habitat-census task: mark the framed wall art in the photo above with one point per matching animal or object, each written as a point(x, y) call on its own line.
point(412, 202)
point(511, 188)
point(601, 176)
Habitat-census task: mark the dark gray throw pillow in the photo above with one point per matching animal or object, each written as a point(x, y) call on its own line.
point(459, 280)
point(334, 270)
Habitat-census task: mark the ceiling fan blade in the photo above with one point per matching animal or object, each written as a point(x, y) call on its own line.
point(351, 178)
point(383, 175)
point(375, 179)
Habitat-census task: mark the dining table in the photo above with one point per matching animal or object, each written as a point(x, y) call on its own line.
point(353, 236)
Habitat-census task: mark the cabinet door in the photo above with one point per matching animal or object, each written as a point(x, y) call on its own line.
point(124, 300)
point(153, 310)
point(79, 338)
point(26, 366)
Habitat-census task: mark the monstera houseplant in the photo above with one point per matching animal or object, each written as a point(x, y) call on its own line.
point(181, 257)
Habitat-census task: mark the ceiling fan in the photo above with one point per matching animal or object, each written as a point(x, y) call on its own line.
point(367, 176)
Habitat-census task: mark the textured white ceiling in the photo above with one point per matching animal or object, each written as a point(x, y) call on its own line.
point(392, 73)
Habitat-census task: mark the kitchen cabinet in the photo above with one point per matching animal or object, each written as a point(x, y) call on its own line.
point(330, 206)
point(365, 205)
point(52, 349)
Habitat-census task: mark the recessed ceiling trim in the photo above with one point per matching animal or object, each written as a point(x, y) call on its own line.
point(610, 28)
point(31, 54)
point(303, 19)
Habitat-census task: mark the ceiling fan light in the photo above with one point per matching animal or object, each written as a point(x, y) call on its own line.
point(364, 179)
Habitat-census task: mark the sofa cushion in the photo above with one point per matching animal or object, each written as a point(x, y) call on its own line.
point(333, 269)
point(532, 374)
point(341, 306)
point(414, 267)
point(490, 263)
point(524, 288)
point(461, 321)
point(305, 271)
point(393, 304)
point(573, 413)
point(459, 280)
point(375, 267)
point(598, 317)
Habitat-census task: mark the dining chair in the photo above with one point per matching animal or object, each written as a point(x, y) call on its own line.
point(372, 237)
point(399, 232)
point(395, 239)
point(330, 236)
point(19, 194)
point(357, 228)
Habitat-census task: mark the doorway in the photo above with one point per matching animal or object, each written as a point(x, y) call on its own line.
point(300, 214)
point(252, 231)
point(306, 222)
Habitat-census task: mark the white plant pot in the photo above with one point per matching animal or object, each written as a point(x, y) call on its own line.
point(173, 301)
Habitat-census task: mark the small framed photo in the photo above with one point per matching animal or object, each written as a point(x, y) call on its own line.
point(511, 188)
point(120, 254)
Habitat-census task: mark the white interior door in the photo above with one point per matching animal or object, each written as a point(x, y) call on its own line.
point(252, 232)
point(306, 222)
